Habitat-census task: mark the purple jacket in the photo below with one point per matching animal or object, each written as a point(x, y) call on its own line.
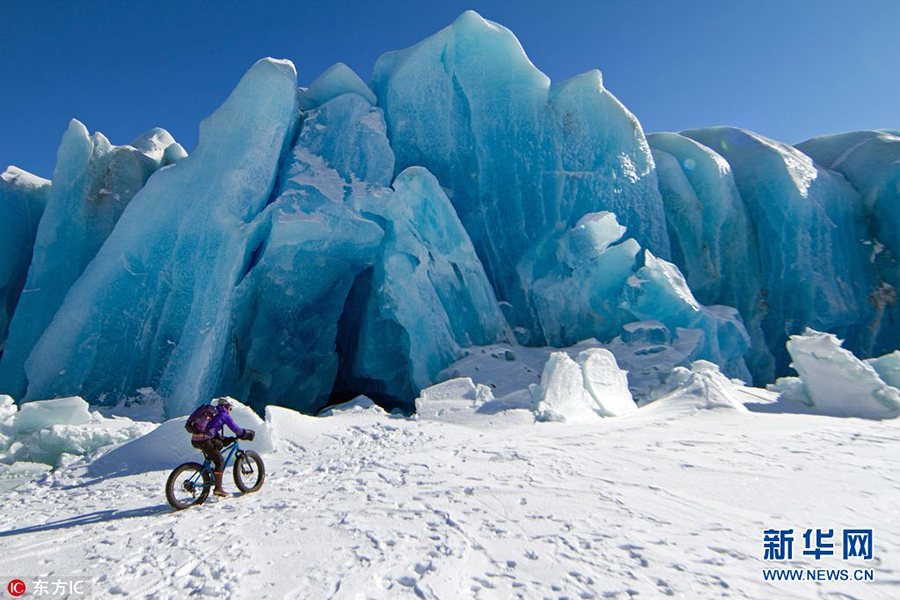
point(215, 425)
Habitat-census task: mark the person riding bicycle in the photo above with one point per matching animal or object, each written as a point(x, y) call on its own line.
point(211, 442)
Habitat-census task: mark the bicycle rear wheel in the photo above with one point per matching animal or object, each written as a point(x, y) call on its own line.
point(249, 472)
point(184, 488)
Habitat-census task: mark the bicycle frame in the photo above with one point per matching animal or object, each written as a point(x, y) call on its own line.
point(207, 465)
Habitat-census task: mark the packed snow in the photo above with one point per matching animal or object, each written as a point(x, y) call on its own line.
point(459, 501)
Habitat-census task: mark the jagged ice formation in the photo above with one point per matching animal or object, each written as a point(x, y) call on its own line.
point(92, 184)
point(345, 238)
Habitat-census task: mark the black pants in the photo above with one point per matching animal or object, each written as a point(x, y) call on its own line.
point(212, 449)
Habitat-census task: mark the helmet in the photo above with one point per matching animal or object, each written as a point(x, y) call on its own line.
point(226, 403)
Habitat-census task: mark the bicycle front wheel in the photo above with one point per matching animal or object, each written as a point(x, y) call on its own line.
point(185, 488)
point(249, 472)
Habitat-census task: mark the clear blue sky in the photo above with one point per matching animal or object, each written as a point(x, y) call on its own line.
point(789, 69)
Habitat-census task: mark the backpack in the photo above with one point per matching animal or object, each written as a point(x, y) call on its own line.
point(200, 418)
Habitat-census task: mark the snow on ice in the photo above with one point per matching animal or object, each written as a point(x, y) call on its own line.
point(594, 386)
point(48, 433)
point(837, 383)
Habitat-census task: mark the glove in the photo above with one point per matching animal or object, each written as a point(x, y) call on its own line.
point(249, 434)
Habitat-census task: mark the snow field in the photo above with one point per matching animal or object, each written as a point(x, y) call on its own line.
point(474, 496)
point(670, 500)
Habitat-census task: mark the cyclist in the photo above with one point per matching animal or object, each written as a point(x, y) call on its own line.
point(211, 441)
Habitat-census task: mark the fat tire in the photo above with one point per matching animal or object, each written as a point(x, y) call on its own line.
point(173, 477)
point(249, 455)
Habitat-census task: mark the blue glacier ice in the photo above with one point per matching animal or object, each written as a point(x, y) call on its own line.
point(419, 291)
point(870, 160)
point(657, 291)
point(314, 244)
point(524, 159)
point(337, 80)
point(711, 234)
point(153, 308)
point(346, 239)
point(814, 267)
point(92, 184)
point(707, 222)
point(337, 225)
point(590, 283)
point(429, 296)
point(578, 278)
point(23, 197)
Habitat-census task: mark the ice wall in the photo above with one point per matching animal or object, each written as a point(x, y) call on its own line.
point(870, 160)
point(153, 309)
point(313, 244)
point(524, 159)
point(338, 224)
point(92, 184)
point(813, 265)
point(428, 296)
point(23, 197)
point(344, 239)
point(713, 240)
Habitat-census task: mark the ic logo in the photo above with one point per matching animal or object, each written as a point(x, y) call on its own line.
point(16, 588)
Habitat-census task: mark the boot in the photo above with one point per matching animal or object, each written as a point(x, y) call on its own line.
point(217, 490)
